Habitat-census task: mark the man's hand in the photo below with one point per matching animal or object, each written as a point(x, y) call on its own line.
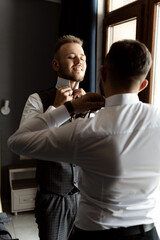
point(89, 102)
point(78, 93)
point(63, 95)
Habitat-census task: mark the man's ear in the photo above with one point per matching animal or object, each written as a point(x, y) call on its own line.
point(103, 73)
point(55, 65)
point(144, 84)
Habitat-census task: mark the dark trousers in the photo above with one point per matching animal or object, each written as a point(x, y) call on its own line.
point(112, 234)
point(55, 215)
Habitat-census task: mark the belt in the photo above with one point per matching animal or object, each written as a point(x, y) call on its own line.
point(135, 230)
point(122, 231)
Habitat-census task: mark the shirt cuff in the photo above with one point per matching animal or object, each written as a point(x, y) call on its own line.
point(50, 108)
point(56, 117)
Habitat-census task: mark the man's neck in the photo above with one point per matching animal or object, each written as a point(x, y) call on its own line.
point(73, 84)
point(62, 82)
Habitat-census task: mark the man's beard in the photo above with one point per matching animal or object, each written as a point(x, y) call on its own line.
point(68, 76)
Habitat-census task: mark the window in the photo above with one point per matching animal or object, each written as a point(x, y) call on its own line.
point(122, 30)
point(136, 19)
point(114, 4)
point(122, 23)
point(155, 90)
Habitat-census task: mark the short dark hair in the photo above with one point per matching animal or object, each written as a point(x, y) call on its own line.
point(66, 39)
point(128, 59)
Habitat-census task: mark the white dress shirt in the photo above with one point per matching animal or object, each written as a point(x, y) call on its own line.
point(34, 104)
point(119, 154)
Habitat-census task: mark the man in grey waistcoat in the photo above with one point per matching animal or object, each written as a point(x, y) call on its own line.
point(57, 195)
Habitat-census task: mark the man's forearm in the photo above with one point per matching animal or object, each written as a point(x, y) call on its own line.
point(30, 135)
point(88, 102)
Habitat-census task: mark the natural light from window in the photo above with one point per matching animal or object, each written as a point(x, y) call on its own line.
point(156, 63)
point(115, 4)
point(124, 30)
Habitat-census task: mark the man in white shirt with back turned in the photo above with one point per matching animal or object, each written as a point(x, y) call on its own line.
point(118, 150)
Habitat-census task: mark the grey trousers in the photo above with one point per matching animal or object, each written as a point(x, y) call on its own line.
point(55, 215)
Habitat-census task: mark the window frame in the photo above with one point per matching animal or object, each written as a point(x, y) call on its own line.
point(151, 38)
point(143, 11)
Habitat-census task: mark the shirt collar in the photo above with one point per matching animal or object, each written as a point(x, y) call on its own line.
point(62, 82)
point(121, 99)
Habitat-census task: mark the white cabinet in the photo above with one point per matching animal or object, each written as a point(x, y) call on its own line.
point(23, 188)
